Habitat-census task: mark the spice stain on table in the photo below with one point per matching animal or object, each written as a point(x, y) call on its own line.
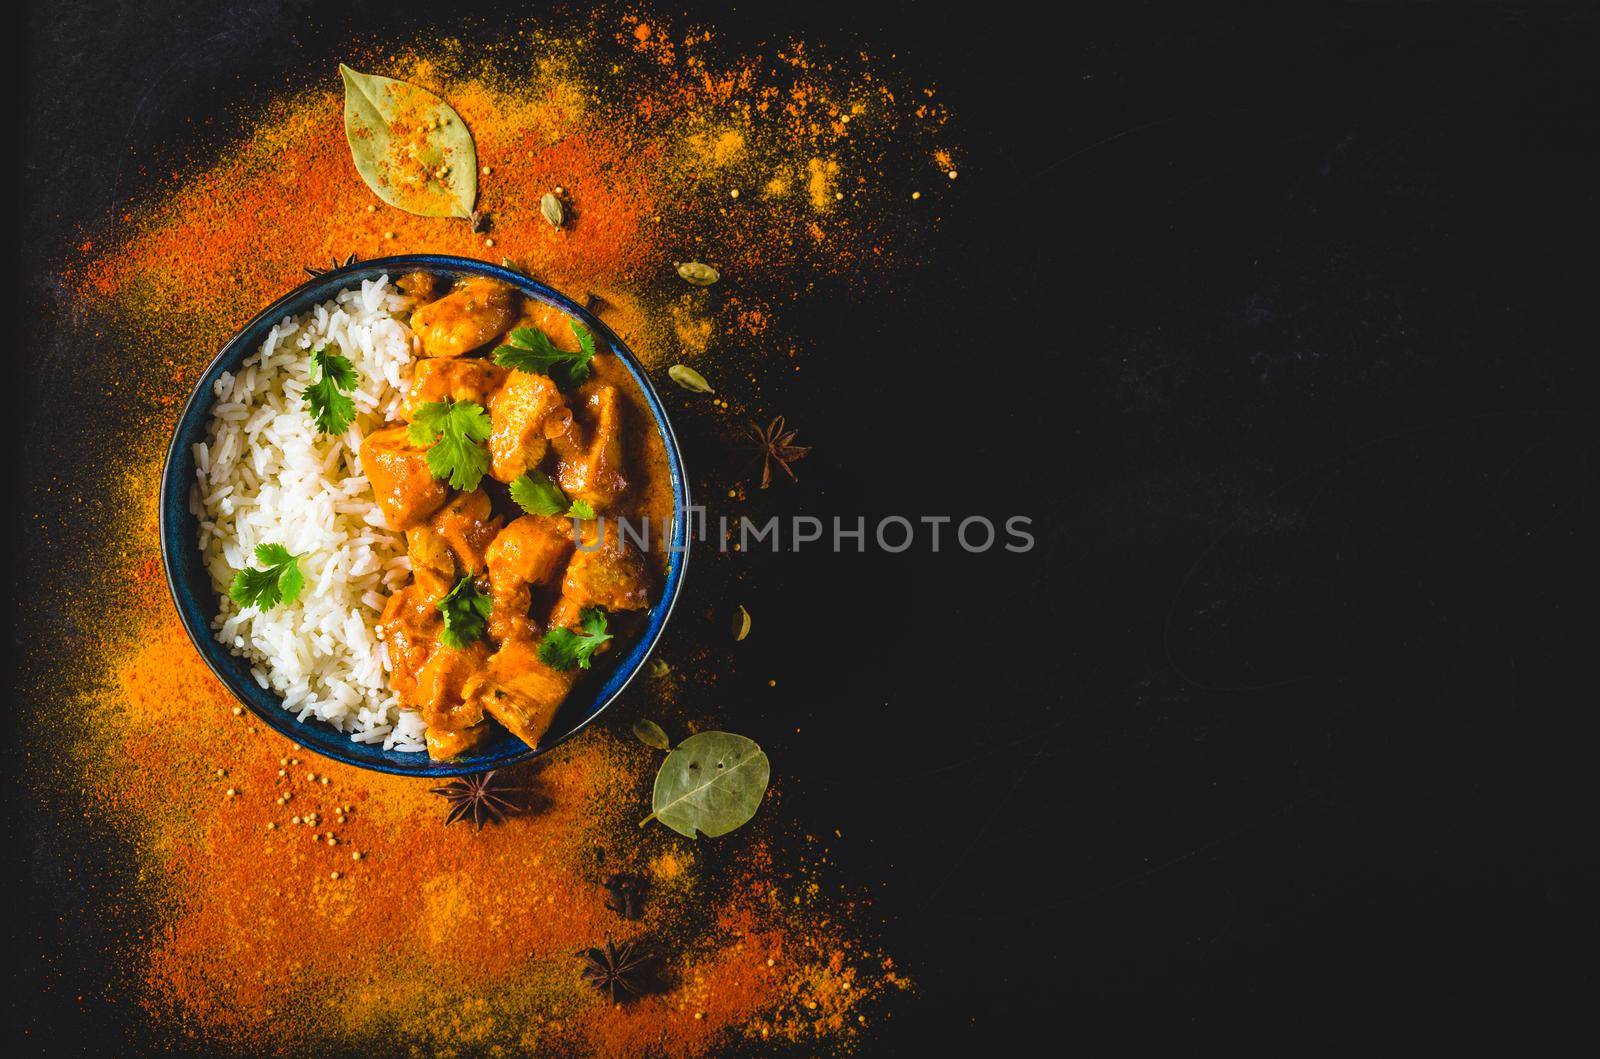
point(338, 909)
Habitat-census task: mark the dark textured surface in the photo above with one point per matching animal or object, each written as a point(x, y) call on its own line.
point(1282, 737)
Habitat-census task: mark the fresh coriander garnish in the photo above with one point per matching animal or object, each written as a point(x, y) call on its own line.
point(531, 350)
point(562, 648)
point(331, 410)
point(536, 494)
point(466, 614)
point(456, 431)
point(279, 582)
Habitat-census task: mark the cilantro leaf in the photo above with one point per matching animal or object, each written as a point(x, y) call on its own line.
point(531, 350)
point(564, 648)
point(536, 494)
point(456, 431)
point(279, 582)
point(331, 410)
point(585, 342)
point(466, 614)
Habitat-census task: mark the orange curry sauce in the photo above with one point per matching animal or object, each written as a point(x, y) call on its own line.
point(597, 442)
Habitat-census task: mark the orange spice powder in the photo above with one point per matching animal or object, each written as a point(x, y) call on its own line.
point(291, 900)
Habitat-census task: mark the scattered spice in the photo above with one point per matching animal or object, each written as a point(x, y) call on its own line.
point(651, 734)
point(411, 147)
point(689, 379)
point(776, 445)
point(619, 969)
point(480, 796)
point(334, 264)
point(550, 208)
point(623, 892)
point(698, 273)
point(458, 970)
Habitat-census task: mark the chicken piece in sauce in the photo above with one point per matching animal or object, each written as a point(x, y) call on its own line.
point(556, 325)
point(528, 552)
point(440, 685)
point(406, 490)
point(519, 690)
point(471, 316)
point(523, 411)
point(449, 534)
point(455, 380)
point(591, 468)
point(422, 286)
point(607, 571)
point(468, 528)
point(410, 626)
point(444, 744)
point(433, 567)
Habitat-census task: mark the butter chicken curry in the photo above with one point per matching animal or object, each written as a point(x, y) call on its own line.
point(518, 434)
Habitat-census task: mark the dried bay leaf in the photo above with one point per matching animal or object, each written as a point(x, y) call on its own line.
point(711, 784)
point(650, 734)
point(689, 379)
point(701, 275)
point(411, 147)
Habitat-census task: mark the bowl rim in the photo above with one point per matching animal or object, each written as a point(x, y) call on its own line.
point(172, 493)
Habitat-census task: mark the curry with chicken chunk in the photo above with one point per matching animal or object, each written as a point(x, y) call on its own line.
point(509, 598)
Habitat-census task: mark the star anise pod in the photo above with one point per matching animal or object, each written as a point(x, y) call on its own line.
point(333, 263)
point(616, 968)
point(479, 796)
point(776, 445)
point(622, 894)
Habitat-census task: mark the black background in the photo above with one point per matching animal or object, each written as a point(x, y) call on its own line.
point(1278, 326)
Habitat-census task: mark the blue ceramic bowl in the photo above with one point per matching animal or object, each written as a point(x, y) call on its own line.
point(197, 599)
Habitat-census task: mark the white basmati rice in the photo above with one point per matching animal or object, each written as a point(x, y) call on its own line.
point(265, 476)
